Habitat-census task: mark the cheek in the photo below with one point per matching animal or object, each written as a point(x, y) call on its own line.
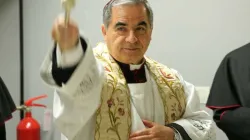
point(144, 40)
point(115, 43)
point(118, 41)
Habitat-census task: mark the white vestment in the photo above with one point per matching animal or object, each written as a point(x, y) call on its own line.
point(76, 102)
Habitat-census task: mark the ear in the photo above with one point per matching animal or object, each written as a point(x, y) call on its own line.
point(104, 32)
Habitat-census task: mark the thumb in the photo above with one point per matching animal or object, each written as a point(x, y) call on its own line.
point(148, 124)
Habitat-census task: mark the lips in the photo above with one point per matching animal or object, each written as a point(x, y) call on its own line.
point(131, 49)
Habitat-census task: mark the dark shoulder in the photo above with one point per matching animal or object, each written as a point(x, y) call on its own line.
point(241, 54)
point(237, 60)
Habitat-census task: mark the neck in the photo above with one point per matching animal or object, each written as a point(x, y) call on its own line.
point(133, 73)
point(136, 63)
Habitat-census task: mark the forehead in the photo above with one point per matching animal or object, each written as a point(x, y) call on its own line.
point(129, 12)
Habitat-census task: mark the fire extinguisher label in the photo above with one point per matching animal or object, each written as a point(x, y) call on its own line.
point(47, 119)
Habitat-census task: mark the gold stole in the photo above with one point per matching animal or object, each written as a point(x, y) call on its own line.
point(113, 120)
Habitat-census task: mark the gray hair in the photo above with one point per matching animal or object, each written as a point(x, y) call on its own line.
point(107, 11)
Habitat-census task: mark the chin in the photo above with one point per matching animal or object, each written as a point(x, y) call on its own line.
point(137, 61)
point(128, 59)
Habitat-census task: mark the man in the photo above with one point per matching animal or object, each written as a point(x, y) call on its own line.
point(229, 96)
point(114, 92)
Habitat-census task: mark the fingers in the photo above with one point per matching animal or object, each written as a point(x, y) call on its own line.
point(65, 35)
point(148, 124)
point(144, 137)
point(153, 132)
point(59, 28)
point(61, 21)
point(140, 133)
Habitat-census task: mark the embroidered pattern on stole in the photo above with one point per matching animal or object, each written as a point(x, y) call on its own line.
point(113, 120)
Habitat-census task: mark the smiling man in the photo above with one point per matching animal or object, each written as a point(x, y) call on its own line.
point(115, 92)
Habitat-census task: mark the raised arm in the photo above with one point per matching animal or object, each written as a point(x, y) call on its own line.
point(72, 70)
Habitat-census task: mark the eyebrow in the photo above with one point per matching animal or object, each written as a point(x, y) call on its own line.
point(142, 23)
point(120, 24)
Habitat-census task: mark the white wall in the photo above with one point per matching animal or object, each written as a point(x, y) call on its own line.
point(197, 34)
point(9, 57)
point(191, 36)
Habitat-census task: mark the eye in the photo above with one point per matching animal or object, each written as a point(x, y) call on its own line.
point(140, 30)
point(123, 29)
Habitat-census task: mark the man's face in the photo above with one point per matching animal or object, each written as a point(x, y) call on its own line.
point(128, 34)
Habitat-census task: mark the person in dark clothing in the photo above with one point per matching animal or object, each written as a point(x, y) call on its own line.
point(7, 106)
point(2, 132)
point(230, 94)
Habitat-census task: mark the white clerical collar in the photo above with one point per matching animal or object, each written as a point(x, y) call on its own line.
point(136, 66)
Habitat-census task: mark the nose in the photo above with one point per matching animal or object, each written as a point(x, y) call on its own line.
point(131, 38)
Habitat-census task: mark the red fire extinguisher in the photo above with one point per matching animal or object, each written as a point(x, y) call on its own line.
point(29, 128)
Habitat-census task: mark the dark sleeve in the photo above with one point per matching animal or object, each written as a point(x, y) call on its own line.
point(62, 75)
point(234, 122)
point(228, 97)
point(2, 132)
point(180, 129)
point(7, 104)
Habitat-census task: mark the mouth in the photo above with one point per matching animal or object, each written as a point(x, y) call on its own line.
point(130, 49)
